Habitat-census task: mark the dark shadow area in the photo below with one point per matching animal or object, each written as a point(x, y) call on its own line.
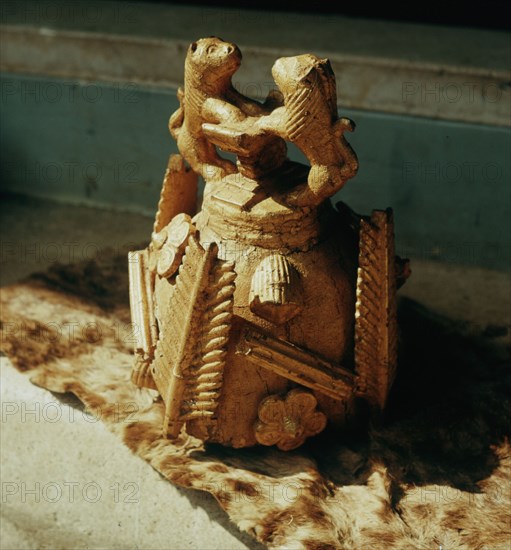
point(102, 281)
point(450, 405)
point(70, 400)
point(431, 13)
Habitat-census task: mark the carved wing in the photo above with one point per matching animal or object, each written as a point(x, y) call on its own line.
point(190, 354)
point(176, 348)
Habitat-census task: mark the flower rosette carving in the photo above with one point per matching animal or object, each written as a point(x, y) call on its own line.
point(168, 245)
point(288, 421)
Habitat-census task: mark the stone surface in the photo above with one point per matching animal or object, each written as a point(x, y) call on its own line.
point(75, 486)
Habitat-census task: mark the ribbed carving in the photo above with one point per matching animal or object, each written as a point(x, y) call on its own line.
point(181, 329)
point(375, 315)
point(275, 293)
point(204, 381)
point(295, 363)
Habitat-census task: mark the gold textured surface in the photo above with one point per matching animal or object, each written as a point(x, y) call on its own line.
point(375, 316)
point(264, 295)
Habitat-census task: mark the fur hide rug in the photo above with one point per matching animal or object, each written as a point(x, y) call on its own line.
point(433, 474)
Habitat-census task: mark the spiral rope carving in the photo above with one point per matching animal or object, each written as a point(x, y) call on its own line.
point(205, 378)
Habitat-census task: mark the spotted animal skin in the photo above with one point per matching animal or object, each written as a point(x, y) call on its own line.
point(435, 474)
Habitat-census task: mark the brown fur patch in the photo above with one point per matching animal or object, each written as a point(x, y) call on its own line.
point(219, 468)
point(247, 489)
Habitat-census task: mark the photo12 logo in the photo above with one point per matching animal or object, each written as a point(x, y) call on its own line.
point(30, 90)
point(450, 92)
point(70, 492)
point(451, 172)
point(69, 172)
point(54, 411)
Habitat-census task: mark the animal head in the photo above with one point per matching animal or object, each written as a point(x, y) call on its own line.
point(294, 74)
point(213, 56)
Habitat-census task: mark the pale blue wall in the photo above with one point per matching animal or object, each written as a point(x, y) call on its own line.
point(449, 183)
